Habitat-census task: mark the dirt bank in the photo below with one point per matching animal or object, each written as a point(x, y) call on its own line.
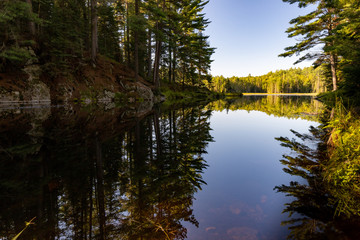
point(109, 81)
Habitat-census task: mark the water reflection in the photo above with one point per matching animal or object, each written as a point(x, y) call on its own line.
point(294, 107)
point(101, 175)
point(238, 201)
point(91, 173)
point(314, 207)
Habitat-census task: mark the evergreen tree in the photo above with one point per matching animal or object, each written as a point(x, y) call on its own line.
point(161, 40)
point(294, 80)
point(17, 30)
point(94, 31)
point(316, 28)
point(108, 25)
point(347, 42)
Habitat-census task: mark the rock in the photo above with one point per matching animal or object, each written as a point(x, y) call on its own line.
point(144, 92)
point(106, 96)
point(144, 107)
point(36, 91)
point(101, 85)
point(7, 97)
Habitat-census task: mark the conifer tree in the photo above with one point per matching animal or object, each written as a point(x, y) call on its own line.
point(17, 22)
point(162, 40)
point(347, 41)
point(316, 29)
point(94, 31)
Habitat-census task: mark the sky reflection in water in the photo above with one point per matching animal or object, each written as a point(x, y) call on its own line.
point(112, 174)
point(238, 201)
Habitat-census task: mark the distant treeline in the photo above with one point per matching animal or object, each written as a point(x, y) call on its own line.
point(294, 80)
point(292, 107)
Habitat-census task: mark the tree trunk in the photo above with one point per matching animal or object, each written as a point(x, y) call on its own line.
point(174, 65)
point(149, 55)
point(333, 70)
point(91, 207)
point(157, 133)
point(100, 189)
point(31, 23)
point(86, 16)
point(94, 31)
point(170, 64)
point(157, 64)
point(127, 34)
point(136, 39)
point(157, 54)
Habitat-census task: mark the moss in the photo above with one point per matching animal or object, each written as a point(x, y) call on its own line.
point(89, 93)
point(120, 97)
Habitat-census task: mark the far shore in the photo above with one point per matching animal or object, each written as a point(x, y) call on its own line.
point(280, 94)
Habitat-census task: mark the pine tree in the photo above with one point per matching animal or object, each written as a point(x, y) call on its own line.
point(347, 42)
point(94, 31)
point(17, 32)
point(108, 26)
point(315, 28)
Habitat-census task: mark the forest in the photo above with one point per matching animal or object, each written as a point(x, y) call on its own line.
point(294, 80)
point(291, 107)
point(327, 159)
point(134, 178)
point(329, 36)
point(158, 39)
point(164, 41)
point(87, 172)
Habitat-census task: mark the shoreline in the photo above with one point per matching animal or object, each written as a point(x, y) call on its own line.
point(280, 94)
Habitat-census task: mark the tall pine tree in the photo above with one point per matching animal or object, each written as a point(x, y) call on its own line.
point(316, 29)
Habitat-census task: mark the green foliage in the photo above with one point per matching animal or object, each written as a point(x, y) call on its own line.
point(15, 38)
point(186, 95)
point(109, 36)
point(342, 169)
point(64, 32)
point(134, 177)
point(348, 46)
point(314, 29)
point(334, 26)
point(135, 32)
point(17, 55)
point(328, 159)
point(319, 209)
point(294, 80)
point(293, 107)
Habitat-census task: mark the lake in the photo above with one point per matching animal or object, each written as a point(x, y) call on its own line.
point(200, 172)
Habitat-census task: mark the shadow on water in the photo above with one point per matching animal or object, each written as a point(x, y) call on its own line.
point(100, 174)
point(90, 173)
point(313, 211)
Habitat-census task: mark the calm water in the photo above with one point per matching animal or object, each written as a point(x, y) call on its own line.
point(205, 172)
point(238, 201)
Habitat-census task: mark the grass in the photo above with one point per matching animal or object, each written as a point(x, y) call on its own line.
point(27, 224)
point(342, 168)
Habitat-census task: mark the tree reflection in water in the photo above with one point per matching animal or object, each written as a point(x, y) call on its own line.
point(292, 107)
point(313, 208)
point(84, 176)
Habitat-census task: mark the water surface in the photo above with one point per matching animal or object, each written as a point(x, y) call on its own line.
point(238, 201)
point(203, 172)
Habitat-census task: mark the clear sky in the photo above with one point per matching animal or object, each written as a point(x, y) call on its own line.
point(249, 35)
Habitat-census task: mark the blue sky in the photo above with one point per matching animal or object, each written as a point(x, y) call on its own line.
point(249, 35)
